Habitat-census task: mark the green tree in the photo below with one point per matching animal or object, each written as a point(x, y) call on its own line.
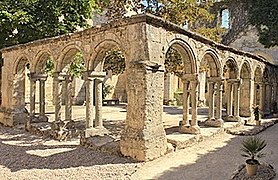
point(263, 14)
point(27, 20)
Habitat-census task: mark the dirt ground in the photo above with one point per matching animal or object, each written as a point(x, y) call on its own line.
point(25, 156)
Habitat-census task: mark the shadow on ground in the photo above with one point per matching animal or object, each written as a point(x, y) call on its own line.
point(16, 147)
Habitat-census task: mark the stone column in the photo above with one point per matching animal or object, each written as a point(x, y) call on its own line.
point(218, 115)
point(237, 96)
point(261, 105)
point(211, 100)
point(202, 88)
point(215, 86)
point(58, 78)
point(94, 128)
point(193, 90)
point(98, 93)
point(230, 99)
point(185, 104)
point(89, 102)
point(194, 99)
point(274, 92)
point(42, 78)
point(68, 97)
point(32, 96)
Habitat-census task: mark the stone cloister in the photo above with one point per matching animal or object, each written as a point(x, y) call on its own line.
point(233, 78)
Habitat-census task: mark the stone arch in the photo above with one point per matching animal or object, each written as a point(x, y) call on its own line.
point(211, 59)
point(100, 52)
point(231, 68)
point(187, 55)
point(245, 90)
point(210, 66)
point(64, 58)
point(40, 60)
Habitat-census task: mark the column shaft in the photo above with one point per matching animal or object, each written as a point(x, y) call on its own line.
point(89, 103)
point(211, 101)
point(58, 99)
point(98, 92)
point(185, 104)
point(218, 114)
point(230, 99)
point(32, 98)
point(236, 95)
point(194, 99)
point(42, 98)
point(68, 99)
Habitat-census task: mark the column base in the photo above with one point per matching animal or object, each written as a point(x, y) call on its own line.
point(214, 123)
point(98, 131)
point(232, 118)
point(189, 129)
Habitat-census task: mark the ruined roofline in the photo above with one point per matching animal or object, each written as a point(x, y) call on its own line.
point(147, 18)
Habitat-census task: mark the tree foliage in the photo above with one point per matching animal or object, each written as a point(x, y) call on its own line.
point(27, 20)
point(114, 60)
point(263, 14)
point(197, 16)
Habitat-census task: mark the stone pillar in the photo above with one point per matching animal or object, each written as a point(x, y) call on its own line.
point(42, 78)
point(261, 105)
point(193, 90)
point(98, 93)
point(185, 104)
point(202, 88)
point(215, 86)
point(32, 96)
point(58, 78)
point(218, 114)
point(194, 99)
point(94, 128)
point(211, 100)
point(230, 99)
point(144, 137)
point(68, 97)
point(237, 96)
point(89, 102)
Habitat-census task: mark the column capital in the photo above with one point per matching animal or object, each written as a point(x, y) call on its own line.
point(190, 77)
point(91, 75)
point(59, 76)
point(233, 80)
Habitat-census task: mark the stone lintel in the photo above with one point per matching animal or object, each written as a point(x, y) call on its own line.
point(97, 131)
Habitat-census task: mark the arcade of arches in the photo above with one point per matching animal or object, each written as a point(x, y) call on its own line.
point(212, 75)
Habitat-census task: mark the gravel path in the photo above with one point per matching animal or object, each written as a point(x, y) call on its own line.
point(24, 157)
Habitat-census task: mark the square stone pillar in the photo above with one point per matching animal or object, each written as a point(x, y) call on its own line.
point(229, 98)
point(143, 137)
